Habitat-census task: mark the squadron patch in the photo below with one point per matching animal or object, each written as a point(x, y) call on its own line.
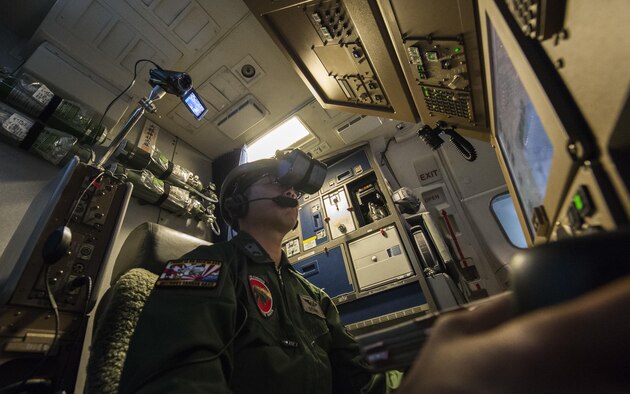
point(190, 273)
point(262, 295)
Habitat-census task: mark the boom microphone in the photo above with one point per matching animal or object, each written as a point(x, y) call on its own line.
point(282, 201)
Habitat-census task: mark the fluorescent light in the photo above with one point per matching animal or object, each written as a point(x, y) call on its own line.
point(280, 137)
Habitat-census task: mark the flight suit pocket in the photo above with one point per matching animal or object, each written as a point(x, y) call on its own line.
point(315, 322)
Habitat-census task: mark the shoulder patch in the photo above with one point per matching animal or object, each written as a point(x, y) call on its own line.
point(262, 295)
point(311, 306)
point(190, 273)
point(253, 249)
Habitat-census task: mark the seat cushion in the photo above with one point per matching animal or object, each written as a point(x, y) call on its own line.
point(116, 326)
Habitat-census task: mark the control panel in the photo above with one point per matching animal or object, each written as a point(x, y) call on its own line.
point(538, 19)
point(441, 73)
point(338, 213)
point(352, 243)
point(91, 207)
point(438, 49)
point(338, 49)
point(589, 207)
point(43, 339)
point(312, 223)
point(343, 55)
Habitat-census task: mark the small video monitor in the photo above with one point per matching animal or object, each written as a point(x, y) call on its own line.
point(194, 104)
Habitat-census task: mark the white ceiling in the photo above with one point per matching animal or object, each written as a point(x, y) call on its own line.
point(208, 39)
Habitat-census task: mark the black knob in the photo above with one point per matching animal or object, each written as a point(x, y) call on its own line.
point(57, 245)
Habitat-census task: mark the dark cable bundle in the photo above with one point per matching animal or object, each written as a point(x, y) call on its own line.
point(431, 137)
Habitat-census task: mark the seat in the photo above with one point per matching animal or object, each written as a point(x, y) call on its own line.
point(141, 259)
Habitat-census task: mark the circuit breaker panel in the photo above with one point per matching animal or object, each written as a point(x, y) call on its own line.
point(352, 243)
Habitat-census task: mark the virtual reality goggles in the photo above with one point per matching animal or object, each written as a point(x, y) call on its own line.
point(297, 169)
point(289, 167)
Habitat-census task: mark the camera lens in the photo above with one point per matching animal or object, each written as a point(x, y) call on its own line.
point(184, 82)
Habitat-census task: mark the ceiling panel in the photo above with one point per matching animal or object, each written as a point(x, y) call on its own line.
point(278, 88)
point(109, 36)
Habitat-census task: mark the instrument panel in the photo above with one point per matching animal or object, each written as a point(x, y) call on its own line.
point(399, 59)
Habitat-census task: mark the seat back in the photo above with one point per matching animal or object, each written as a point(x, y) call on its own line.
point(141, 259)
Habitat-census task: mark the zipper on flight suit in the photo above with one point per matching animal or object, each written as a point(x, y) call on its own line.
point(285, 342)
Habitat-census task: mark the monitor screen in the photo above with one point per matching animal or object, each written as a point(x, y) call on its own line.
point(524, 143)
point(193, 102)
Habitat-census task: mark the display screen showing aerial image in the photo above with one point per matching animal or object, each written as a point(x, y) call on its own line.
point(520, 133)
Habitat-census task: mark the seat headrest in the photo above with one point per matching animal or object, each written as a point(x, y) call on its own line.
point(151, 246)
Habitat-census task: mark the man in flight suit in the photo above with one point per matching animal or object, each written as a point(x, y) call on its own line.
point(236, 317)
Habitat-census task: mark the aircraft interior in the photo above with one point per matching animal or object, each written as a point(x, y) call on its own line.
point(470, 147)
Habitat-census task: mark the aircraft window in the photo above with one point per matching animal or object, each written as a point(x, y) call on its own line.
point(503, 209)
point(282, 136)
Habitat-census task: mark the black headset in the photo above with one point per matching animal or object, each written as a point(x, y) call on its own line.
point(233, 202)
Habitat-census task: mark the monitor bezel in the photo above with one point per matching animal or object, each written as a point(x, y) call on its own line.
point(555, 107)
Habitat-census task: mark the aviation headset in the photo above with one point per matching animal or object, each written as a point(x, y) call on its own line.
point(290, 168)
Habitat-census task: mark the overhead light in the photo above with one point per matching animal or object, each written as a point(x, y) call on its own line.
point(280, 137)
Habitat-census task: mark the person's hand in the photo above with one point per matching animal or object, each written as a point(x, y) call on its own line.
point(579, 346)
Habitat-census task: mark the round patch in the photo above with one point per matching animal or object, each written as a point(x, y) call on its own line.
point(262, 295)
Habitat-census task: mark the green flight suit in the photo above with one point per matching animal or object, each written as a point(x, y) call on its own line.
point(290, 340)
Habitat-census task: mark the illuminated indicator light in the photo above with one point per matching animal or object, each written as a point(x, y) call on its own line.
point(457, 50)
point(577, 201)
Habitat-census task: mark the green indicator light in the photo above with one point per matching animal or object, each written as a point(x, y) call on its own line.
point(426, 92)
point(577, 201)
point(457, 50)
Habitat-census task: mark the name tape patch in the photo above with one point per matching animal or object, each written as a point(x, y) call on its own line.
point(311, 306)
point(190, 273)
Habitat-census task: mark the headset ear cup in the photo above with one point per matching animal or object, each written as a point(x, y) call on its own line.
point(236, 206)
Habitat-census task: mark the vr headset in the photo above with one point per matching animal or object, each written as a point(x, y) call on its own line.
point(290, 167)
point(297, 169)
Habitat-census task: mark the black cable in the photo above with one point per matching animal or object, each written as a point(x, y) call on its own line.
point(92, 183)
point(89, 294)
point(171, 368)
point(55, 308)
point(385, 161)
point(464, 147)
point(133, 81)
point(383, 157)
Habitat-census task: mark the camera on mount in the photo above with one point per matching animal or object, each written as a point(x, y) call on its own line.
point(173, 82)
point(180, 84)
